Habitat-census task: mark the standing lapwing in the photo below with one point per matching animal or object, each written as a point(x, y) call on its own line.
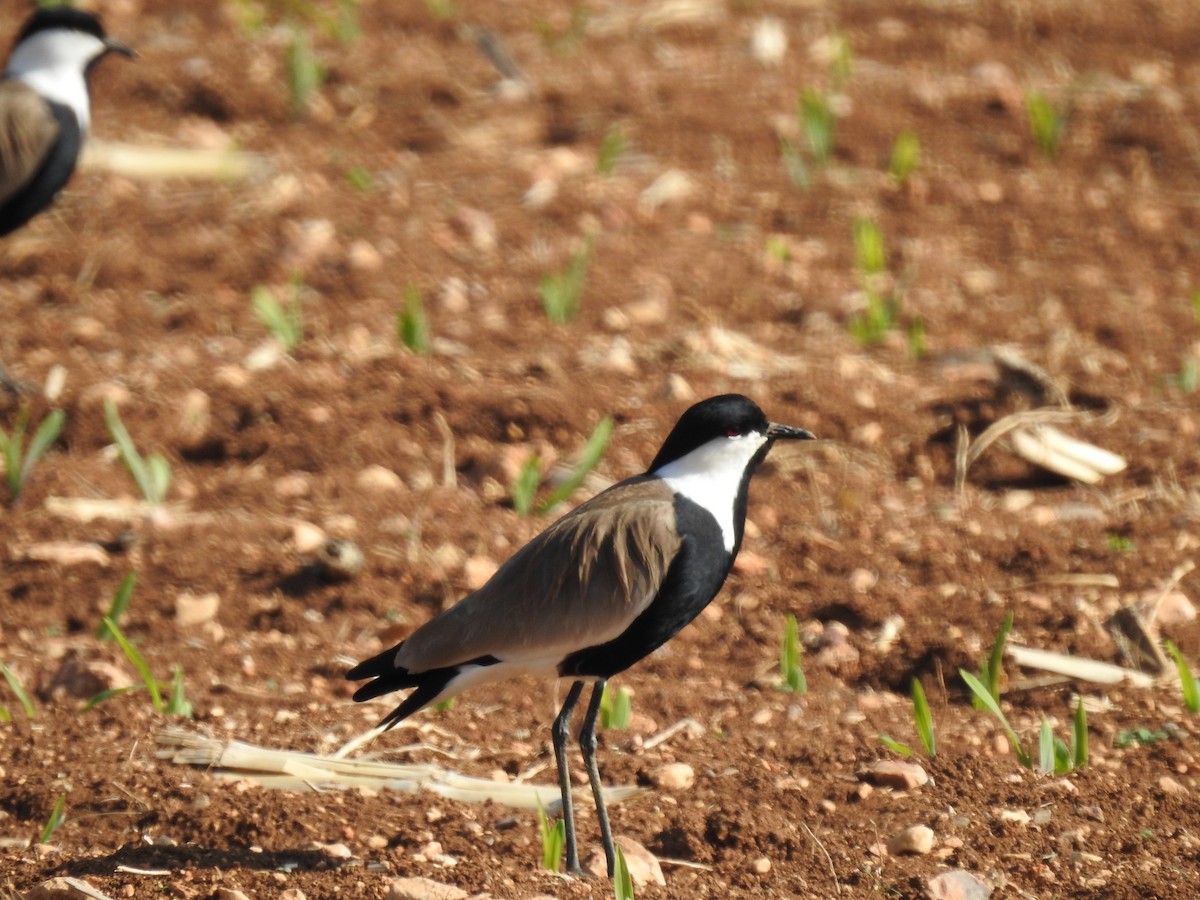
point(45, 109)
point(605, 585)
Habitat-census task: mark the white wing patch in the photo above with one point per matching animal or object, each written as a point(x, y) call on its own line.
point(712, 473)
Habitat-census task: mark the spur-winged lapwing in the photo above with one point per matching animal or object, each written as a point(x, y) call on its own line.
point(605, 585)
point(45, 109)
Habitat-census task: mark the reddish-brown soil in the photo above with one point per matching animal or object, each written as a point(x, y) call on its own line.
point(1086, 264)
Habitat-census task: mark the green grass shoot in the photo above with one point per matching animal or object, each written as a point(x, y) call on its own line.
point(116, 609)
point(285, 322)
point(1046, 123)
point(612, 148)
point(882, 312)
point(991, 704)
point(1187, 682)
point(1054, 756)
point(526, 484)
point(616, 707)
point(895, 746)
point(593, 451)
point(923, 718)
point(152, 473)
point(991, 670)
point(305, 71)
point(818, 124)
point(19, 463)
point(412, 325)
point(870, 257)
point(58, 815)
point(175, 703)
point(553, 838)
point(1079, 737)
point(906, 157)
point(622, 880)
point(360, 179)
point(562, 291)
point(14, 684)
point(791, 672)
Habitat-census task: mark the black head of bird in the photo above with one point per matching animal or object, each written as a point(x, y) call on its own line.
point(45, 108)
point(605, 585)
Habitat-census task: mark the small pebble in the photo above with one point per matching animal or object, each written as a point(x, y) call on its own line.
point(674, 776)
point(902, 776)
point(916, 840)
point(956, 885)
point(761, 866)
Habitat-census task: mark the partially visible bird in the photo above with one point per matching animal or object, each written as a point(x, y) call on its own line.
point(45, 108)
point(601, 588)
point(45, 111)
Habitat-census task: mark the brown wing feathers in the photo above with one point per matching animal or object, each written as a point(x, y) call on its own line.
point(27, 132)
point(579, 583)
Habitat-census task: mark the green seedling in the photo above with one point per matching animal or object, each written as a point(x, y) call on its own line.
point(526, 484)
point(918, 346)
point(923, 718)
point(841, 65)
point(116, 609)
point(1055, 757)
point(553, 838)
point(1119, 543)
point(562, 291)
point(592, 453)
point(791, 673)
point(151, 473)
point(360, 179)
point(1046, 123)
point(18, 462)
point(906, 157)
point(988, 702)
point(616, 708)
point(612, 148)
point(412, 325)
point(1187, 379)
point(991, 670)
point(1187, 682)
point(818, 124)
point(445, 706)
point(794, 165)
point(883, 310)
point(622, 880)
point(58, 815)
point(14, 684)
point(1142, 736)
point(922, 722)
point(286, 322)
point(176, 703)
point(1079, 737)
point(895, 746)
point(305, 71)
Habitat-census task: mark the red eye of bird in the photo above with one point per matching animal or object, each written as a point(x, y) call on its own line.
point(732, 432)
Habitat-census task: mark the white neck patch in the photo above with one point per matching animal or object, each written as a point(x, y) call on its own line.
point(53, 63)
point(711, 474)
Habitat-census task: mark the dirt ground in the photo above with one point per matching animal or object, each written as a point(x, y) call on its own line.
point(714, 267)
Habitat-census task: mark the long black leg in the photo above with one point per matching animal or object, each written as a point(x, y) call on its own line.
point(587, 744)
point(559, 735)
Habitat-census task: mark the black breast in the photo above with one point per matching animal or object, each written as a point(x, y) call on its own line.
point(55, 172)
point(693, 579)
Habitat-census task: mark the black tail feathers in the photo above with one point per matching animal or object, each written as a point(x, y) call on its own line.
point(388, 677)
